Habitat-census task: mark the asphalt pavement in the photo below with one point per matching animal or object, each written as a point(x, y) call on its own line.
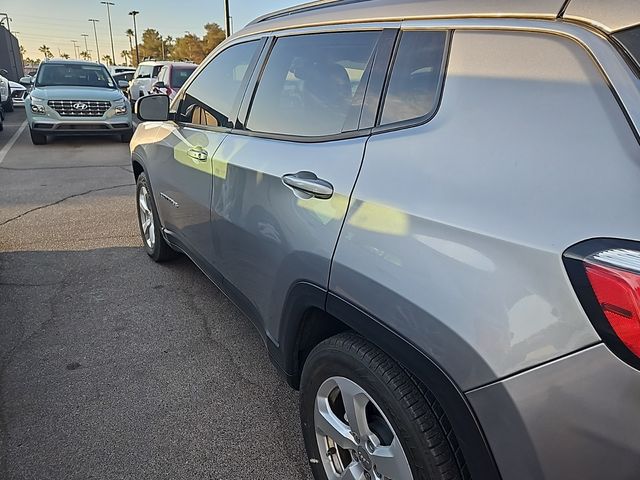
point(113, 366)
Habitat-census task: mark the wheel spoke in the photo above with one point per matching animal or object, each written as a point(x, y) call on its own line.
point(328, 424)
point(391, 461)
point(143, 202)
point(145, 224)
point(152, 234)
point(354, 471)
point(355, 402)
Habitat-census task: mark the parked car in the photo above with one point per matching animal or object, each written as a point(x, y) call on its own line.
point(430, 222)
point(6, 102)
point(18, 93)
point(171, 78)
point(114, 69)
point(145, 76)
point(123, 80)
point(72, 97)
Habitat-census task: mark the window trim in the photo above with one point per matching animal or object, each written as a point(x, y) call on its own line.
point(423, 119)
point(245, 109)
point(262, 41)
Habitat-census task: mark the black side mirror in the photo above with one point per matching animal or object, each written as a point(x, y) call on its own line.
point(152, 108)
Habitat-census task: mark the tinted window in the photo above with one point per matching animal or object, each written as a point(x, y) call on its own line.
point(52, 74)
point(310, 83)
point(631, 40)
point(179, 75)
point(416, 77)
point(211, 97)
point(156, 70)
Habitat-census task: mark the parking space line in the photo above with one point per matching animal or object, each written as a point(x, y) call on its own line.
point(12, 140)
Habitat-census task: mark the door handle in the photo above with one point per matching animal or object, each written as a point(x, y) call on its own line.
point(198, 154)
point(307, 185)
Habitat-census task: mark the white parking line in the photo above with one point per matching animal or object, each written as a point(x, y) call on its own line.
point(12, 140)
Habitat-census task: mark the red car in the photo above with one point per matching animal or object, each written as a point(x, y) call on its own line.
point(171, 77)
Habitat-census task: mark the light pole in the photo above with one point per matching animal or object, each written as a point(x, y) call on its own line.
point(113, 52)
point(75, 48)
point(227, 19)
point(86, 47)
point(95, 33)
point(8, 21)
point(133, 13)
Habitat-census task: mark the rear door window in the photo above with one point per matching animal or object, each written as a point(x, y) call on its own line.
point(414, 87)
point(312, 84)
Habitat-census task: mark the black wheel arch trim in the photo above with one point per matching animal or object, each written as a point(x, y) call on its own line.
point(304, 296)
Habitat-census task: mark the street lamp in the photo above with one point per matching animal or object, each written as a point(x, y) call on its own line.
point(113, 52)
point(133, 13)
point(75, 48)
point(8, 21)
point(86, 47)
point(227, 19)
point(95, 33)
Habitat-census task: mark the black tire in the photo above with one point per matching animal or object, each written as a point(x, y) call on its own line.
point(160, 251)
point(38, 138)
point(416, 417)
point(126, 137)
point(8, 105)
point(1, 125)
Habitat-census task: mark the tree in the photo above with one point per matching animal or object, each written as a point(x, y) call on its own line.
point(107, 59)
point(214, 35)
point(46, 51)
point(126, 55)
point(132, 55)
point(190, 47)
point(65, 55)
point(85, 55)
point(151, 46)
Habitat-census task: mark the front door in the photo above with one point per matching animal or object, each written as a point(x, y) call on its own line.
point(187, 147)
point(282, 186)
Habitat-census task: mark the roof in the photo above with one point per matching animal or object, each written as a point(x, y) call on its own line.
point(609, 15)
point(70, 62)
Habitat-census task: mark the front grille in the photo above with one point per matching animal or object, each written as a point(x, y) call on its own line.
point(80, 108)
point(18, 94)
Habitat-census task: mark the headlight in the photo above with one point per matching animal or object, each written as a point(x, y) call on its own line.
point(120, 107)
point(37, 105)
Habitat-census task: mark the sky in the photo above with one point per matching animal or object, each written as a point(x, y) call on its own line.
point(56, 23)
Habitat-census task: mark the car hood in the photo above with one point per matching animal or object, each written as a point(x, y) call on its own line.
point(76, 93)
point(16, 86)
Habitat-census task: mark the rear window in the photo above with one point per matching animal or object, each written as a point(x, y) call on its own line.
point(179, 75)
point(630, 39)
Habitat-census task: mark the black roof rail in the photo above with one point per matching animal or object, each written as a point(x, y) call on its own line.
point(305, 7)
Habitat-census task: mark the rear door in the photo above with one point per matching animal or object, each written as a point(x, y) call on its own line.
point(282, 182)
point(182, 187)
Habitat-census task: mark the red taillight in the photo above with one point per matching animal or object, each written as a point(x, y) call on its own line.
point(618, 293)
point(169, 91)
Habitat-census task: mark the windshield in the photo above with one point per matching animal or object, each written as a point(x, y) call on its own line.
point(70, 75)
point(179, 75)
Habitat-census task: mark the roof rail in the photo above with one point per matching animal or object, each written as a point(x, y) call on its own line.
point(304, 7)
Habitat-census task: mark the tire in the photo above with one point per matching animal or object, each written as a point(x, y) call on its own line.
point(1, 125)
point(154, 243)
point(399, 410)
point(126, 137)
point(8, 105)
point(38, 138)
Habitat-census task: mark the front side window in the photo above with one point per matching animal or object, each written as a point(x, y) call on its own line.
point(414, 86)
point(73, 75)
point(310, 85)
point(211, 97)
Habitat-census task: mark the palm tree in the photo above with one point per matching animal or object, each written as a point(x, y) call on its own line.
point(126, 54)
point(129, 33)
point(46, 51)
point(85, 55)
point(107, 59)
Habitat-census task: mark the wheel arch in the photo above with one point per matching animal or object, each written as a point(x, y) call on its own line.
point(312, 315)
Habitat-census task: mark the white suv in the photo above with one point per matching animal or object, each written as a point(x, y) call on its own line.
point(146, 75)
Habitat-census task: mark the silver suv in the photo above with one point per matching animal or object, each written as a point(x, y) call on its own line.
point(424, 208)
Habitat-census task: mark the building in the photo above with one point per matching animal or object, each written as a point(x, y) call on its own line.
point(10, 57)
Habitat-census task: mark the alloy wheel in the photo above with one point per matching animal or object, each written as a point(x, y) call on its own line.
point(146, 217)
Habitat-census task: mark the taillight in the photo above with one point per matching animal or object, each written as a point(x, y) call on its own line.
point(606, 276)
point(169, 91)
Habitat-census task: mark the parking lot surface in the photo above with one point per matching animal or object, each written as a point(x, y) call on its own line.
point(112, 366)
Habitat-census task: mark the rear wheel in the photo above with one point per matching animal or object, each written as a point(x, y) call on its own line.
point(38, 138)
point(150, 230)
point(363, 416)
point(8, 105)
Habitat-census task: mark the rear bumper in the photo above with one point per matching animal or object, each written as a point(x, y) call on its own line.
point(577, 417)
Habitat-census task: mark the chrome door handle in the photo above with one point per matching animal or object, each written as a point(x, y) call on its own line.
point(307, 185)
point(198, 154)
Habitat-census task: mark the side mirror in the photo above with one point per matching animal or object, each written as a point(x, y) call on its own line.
point(3, 72)
point(123, 84)
point(26, 81)
point(152, 108)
